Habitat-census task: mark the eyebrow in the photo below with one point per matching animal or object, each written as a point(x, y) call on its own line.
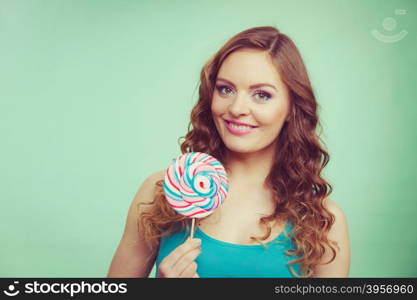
point(254, 86)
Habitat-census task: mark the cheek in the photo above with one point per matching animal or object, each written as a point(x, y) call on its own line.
point(272, 117)
point(216, 107)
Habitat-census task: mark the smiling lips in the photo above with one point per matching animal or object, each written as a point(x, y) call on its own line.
point(238, 129)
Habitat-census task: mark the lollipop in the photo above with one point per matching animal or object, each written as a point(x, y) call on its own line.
point(195, 185)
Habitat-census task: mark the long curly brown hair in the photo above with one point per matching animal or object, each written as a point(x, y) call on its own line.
point(295, 179)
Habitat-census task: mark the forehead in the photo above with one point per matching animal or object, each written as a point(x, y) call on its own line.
point(249, 66)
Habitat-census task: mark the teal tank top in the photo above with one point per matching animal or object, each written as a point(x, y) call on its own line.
point(223, 260)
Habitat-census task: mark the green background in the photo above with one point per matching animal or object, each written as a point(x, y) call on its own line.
point(94, 95)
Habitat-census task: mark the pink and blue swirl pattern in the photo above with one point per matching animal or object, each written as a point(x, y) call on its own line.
point(195, 184)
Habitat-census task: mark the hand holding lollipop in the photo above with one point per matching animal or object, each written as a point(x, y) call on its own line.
point(195, 185)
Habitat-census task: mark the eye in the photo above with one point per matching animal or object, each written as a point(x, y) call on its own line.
point(226, 91)
point(265, 96)
point(221, 88)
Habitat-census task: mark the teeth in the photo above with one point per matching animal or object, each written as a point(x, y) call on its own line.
point(239, 127)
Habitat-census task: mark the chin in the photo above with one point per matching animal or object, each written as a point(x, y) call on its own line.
point(234, 147)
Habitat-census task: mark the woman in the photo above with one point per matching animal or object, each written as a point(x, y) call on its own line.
point(257, 115)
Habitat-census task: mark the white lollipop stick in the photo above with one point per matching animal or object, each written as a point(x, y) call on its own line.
point(192, 227)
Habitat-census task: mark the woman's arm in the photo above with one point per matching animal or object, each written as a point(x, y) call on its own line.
point(339, 267)
point(131, 257)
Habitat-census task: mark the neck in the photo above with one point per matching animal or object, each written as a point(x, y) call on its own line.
point(250, 168)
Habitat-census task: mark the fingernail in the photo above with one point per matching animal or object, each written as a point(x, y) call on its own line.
point(198, 241)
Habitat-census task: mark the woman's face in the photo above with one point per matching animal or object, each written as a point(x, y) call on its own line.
point(249, 90)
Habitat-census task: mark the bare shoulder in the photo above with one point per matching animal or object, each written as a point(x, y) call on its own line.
point(335, 209)
point(339, 229)
point(338, 233)
point(133, 258)
point(156, 176)
point(146, 190)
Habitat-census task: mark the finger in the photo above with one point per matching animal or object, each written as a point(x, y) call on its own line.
point(186, 260)
point(189, 270)
point(171, 259)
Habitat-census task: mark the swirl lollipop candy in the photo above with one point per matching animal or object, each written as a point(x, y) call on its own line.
point(195, 185)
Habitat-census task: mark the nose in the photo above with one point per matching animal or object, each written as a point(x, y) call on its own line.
point(239, 106)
